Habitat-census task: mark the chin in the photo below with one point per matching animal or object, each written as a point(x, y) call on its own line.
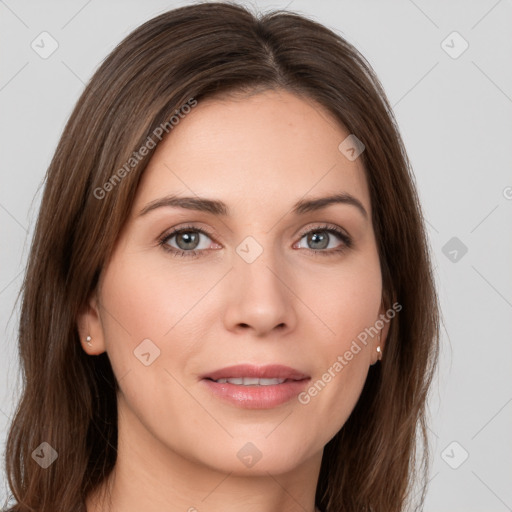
point(257, 457)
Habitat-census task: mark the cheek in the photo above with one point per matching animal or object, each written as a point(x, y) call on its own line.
point(153, 299)
point(144, 321)
point(347, 300)
point(348, 303)
point(148, 299)
point(132, 312)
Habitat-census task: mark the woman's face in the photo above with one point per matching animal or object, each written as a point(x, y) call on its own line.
point(242, 285)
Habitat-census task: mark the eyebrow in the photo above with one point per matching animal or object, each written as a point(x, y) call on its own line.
point(220, 208)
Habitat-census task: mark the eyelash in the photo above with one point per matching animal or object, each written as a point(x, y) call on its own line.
point(347, 241)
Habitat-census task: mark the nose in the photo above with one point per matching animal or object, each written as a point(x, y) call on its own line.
point(260, 297)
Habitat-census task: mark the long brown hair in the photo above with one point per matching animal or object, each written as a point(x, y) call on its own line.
point(194, 52)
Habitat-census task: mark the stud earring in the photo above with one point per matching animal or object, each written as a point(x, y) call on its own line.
point(88, 341)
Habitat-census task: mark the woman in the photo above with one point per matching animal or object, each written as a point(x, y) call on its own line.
point(283, 360)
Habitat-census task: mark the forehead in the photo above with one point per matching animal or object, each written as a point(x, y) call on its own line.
point(261, 150)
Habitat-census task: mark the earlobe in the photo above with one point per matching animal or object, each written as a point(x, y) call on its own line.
point(90, 329)
point(380, 341)
point(378, 349)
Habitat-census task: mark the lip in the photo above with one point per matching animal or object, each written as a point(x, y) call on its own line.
point(256, 397)
point(270, 371)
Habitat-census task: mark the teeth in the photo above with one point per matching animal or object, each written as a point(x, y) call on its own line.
point(270, 382)
point(251, 381)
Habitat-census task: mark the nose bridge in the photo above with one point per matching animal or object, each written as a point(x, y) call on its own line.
point(259, 295)
point(261, 274)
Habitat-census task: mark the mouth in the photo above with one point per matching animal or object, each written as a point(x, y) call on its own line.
point(251, 381)
point(246, 372)
point(253, 387)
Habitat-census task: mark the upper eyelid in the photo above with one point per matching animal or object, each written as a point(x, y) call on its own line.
point(174, 231)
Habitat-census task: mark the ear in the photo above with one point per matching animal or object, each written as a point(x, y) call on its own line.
point(89, 325)
point(382, 323)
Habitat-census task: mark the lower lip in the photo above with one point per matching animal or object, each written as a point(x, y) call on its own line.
point(257, 397)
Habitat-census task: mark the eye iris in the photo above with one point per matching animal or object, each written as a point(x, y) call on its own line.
point(323, 239)
point(189, 239)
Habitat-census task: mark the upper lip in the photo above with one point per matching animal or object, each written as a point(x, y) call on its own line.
point(271, 371)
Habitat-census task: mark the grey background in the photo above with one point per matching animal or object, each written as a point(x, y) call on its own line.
point(455, 117)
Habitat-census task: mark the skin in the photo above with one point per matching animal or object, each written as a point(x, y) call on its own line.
point(178, 443)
